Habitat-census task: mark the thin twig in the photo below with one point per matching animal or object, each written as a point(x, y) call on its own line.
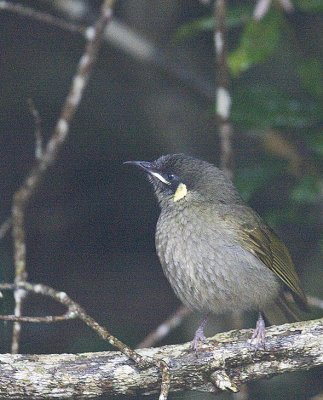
point(43, 320)
point(315, 302)
point(312, 300)
point(286, 5)
point(223, 113)
point(38, 130)
point(31, 183)
point(223, 97)
point(4, 227)
point(262, 7)
point(130, 42)
point(74, 310)
point(40, 16)
point(94, 37)
point(164, 329)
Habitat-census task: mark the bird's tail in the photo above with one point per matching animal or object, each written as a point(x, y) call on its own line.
point(282, 311)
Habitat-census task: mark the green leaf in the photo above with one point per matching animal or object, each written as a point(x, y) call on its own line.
point(260, 107)
point(310, 73)
point(252, 178)
point(309, 5)
point(258, 42)
point(308, 190)
point(193, 28)
point(236, 16)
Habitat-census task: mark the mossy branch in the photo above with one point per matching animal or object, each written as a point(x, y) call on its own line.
point(225, 360)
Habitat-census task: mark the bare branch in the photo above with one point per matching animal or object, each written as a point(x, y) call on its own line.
point(223, 97)
point(130, 42)
point(315, 301)
point(31, 183)
point(39, 16)
point(164, 329)
point(261, 9)
point(94, 37)
point(226, 358)
point(38, 131)
point(263, 6)
point(286, 5)
point(74, 310)
point(4, 227)
point(48, 319)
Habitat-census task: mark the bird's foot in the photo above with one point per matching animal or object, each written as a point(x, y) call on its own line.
point(199, 335)
point(258, 338)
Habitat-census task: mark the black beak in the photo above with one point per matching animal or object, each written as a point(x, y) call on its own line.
point(144, 165)
point(150, 169)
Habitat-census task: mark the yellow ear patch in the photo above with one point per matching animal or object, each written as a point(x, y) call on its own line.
point(181, 192)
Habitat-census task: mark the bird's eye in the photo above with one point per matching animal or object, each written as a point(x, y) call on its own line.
point(170, 177)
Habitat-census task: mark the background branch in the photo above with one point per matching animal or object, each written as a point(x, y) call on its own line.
point(223, 97)
point(226, 358)
point(164, 329)
point(22, 197)
point(4, 227)
point(132, 43)
point(39, 139)
point(74, 310)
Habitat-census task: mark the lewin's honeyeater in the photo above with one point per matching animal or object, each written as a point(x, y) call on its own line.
point(217, 253)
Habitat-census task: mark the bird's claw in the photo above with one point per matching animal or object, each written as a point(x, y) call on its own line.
point(258, 338)
point(199, 337)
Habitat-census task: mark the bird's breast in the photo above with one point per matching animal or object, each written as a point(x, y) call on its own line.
point(206, 266)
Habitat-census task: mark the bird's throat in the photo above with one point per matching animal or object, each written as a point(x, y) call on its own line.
point(181, 192)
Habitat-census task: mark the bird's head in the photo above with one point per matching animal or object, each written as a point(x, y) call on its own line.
point(178, 179)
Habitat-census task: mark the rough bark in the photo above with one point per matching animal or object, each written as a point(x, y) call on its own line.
point(226, 360)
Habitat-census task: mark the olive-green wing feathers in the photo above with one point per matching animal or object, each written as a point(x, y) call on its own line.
point(262, 241)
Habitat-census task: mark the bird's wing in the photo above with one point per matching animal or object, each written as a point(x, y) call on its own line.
point(258, 238)
point(263, 242)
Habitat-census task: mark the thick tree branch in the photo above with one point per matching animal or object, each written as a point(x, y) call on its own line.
point(226, 359)
point(74, 310)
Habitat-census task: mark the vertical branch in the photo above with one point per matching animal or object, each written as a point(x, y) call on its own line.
point(19, 239)
point(223, 110)
point(22, 197)
point(4, 227)
point(38, 131)
point(222, 98)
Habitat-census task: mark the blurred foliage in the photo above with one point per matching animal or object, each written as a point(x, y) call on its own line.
point(309, 5)
point(261, 107)
point(258, 41)
point(307, 190)
point(249, 180)
point(90, 227)
point(236, 17)
point(310, 74)
point(294, 112)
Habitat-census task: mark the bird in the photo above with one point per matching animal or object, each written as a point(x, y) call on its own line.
point(217, 253)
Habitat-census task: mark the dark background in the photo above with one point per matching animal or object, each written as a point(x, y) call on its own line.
point(90, 226)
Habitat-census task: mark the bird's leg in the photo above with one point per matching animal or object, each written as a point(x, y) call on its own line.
point(199, 334)
point(258, 337)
